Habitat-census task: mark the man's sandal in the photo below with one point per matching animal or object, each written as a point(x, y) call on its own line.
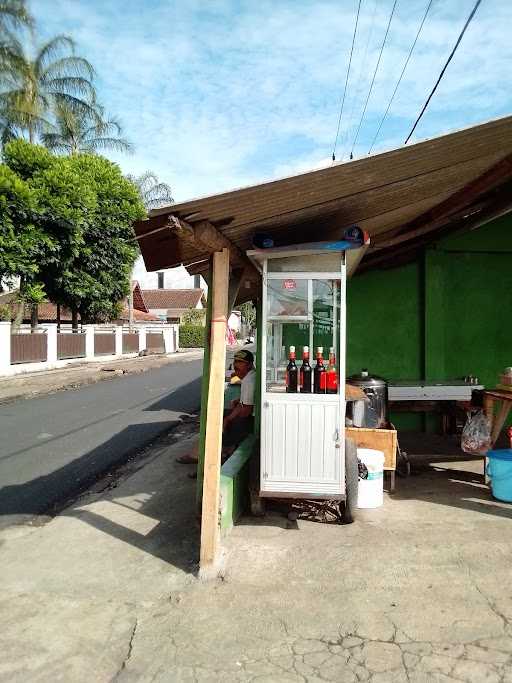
point(187, 459)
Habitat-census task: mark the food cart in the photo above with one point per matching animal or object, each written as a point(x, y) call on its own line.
point(302, 438)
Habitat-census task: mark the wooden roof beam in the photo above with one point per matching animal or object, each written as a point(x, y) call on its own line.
point(204, 235)
point(451, 208)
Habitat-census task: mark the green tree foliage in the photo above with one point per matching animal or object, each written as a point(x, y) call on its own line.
point(21, 239)
point(194, 316)
point(248, 312)
point(98, 278)
point(66, 222)
point(45, 209)
point(33, 84)
point(13, 15)
point(153, 193)
point(84, 131)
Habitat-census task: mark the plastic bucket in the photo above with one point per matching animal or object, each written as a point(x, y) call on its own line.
point(499, 469)
point(370, 493)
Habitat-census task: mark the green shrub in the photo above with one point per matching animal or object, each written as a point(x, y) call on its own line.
point(5, 313)
point(191, 336)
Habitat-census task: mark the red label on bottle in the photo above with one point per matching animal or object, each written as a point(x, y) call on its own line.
point(289, 284)
point(332, 381)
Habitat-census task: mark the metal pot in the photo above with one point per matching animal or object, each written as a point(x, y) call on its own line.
point(372, 413)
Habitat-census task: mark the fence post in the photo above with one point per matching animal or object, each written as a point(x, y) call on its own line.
point(119, 340)
point(176, 337)
point(51, 341)
point(89, 341)
point(167, 331)
point(142, 338)
point(5, 346)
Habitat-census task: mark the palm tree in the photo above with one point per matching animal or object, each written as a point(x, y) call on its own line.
point(84, 131)
point(154, 194)
point(31, 88)
point(13, 14)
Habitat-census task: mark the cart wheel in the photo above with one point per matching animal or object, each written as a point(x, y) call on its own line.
point(349, 505)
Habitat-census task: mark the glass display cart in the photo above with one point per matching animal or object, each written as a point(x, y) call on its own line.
point(302, 432)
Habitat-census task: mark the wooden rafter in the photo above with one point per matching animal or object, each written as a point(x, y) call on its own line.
point(452, 208)
point(500, 205)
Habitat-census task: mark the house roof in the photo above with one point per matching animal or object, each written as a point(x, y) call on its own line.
point(172, 298)
point(47, 312)
point(138, 316)
point(400, 197)
point(138, 297)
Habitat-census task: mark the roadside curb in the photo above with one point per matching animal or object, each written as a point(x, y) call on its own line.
point(92, 374)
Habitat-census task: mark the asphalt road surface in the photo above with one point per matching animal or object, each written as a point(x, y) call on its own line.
point(53, 447)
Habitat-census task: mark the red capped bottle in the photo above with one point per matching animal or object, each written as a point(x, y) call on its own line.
point(306, 373)
point(292, 373)
point(319, 372)
point(331, 374)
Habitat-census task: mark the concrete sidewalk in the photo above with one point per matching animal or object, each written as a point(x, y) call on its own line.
point(80, 374)
point(418, 590)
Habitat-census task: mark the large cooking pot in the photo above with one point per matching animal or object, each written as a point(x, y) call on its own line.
point(372, 413)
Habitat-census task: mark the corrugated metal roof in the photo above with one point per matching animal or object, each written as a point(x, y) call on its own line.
point(384, 194)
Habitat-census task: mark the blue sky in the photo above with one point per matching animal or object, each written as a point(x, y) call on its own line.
point(217, 94)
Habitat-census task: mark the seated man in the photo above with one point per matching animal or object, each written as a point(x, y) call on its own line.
point(238, 420)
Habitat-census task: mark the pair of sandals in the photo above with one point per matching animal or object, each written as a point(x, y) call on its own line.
point(188, 460)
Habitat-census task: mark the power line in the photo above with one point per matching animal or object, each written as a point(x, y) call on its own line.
point(401, 75)
point(373, 79)
point(473, 12)
point(359, 77)
point(346, 82)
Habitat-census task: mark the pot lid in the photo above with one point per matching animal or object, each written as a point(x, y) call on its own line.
point(364, 378)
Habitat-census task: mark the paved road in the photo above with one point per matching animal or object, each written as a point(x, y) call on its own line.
point(55, 446)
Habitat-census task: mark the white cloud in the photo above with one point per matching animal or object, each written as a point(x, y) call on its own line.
point(223, 94)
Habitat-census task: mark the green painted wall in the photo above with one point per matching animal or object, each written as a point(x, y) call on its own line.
point(446, 315)
point(385, 327)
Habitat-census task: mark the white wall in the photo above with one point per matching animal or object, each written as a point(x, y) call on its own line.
point(174, 278)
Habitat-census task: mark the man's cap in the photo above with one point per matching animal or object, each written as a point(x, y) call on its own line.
point(244, 355)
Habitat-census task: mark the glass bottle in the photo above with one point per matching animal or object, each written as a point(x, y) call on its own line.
point(331, 374)
point(319, 372)
point(292, 373)
point(306, 372)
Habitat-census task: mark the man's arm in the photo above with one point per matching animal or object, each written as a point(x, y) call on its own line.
point(238, 411)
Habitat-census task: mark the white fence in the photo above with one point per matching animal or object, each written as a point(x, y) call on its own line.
point(22, 351)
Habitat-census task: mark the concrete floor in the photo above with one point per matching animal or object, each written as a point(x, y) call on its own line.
point(418, 590)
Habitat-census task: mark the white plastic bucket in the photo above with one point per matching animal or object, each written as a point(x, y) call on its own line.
point(371, 490)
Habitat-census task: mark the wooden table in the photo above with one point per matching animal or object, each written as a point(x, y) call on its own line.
point(501, 399)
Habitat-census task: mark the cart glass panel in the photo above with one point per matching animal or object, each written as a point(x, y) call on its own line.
point(300, 313)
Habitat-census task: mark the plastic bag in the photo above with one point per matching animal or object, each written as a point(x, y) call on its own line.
point(476, 435)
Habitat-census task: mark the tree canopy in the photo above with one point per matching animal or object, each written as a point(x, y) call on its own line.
point(66, 223)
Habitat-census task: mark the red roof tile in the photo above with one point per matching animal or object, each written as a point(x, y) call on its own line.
point(172, 298)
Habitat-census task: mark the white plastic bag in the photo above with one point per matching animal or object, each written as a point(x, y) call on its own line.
point(476, 435)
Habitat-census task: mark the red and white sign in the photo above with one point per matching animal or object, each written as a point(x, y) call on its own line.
point(289, 284)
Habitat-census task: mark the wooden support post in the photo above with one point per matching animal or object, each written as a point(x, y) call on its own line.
point(210, 551)
point(205, 383)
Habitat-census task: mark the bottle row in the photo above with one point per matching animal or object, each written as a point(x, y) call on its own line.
point(306, 379)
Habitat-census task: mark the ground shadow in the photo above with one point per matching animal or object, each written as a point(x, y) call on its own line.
point(179, 398)
point(174, 536)
point(441, 473)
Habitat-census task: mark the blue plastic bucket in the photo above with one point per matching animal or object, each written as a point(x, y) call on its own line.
point(499, 469)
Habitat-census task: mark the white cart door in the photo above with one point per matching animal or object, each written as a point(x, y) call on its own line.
point(302, 451)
